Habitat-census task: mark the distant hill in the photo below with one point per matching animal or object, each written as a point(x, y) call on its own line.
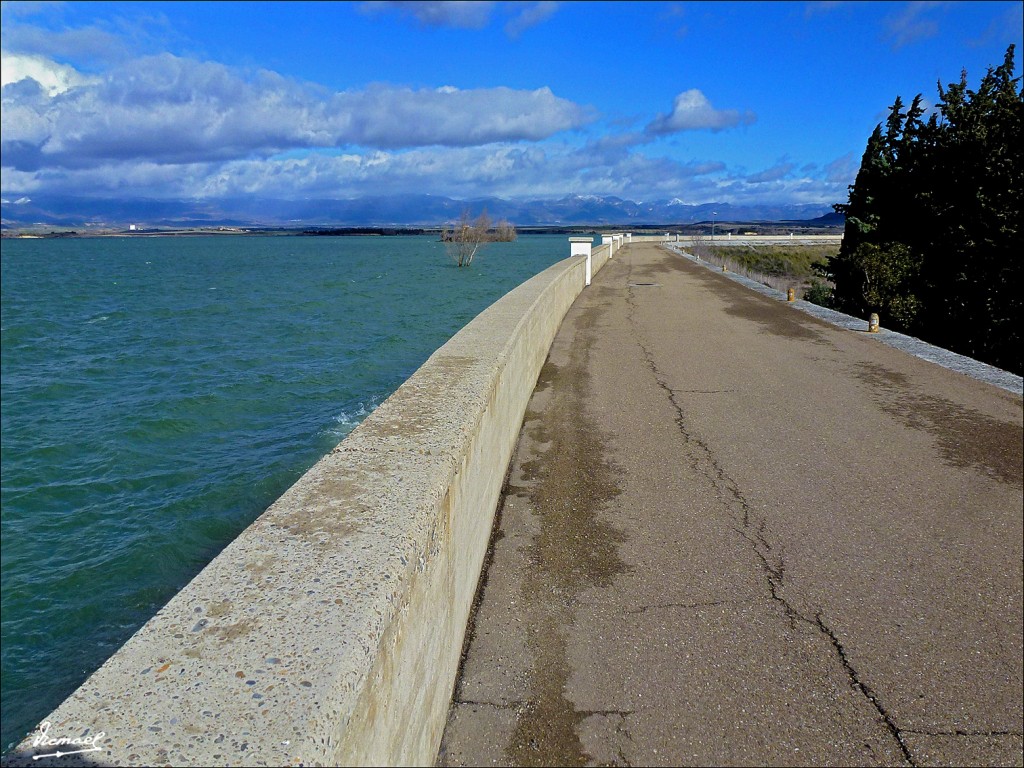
point(392, 210)
point(832, 219)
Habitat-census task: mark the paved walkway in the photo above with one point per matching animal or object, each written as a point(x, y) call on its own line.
point(735, 534)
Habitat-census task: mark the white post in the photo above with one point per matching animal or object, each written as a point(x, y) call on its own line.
point(580, 246)
point(610, 242)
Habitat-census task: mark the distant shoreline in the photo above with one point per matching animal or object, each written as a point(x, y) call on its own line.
point(704, 227)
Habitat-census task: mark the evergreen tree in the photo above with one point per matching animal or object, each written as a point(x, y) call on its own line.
point(974, 269)
point(933, 222)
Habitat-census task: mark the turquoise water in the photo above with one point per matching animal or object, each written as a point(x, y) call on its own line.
point(158, 394)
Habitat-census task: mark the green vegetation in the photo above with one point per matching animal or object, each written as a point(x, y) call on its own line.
point(933, 238)
point(795, 261)
point(819, 292)
point(797, 265)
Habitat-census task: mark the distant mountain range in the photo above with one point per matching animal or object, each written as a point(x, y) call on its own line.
point(393, 210)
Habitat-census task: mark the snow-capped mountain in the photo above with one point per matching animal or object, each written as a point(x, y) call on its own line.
point(394, 210)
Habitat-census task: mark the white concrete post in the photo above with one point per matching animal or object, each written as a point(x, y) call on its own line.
point(610, 242)
point(580, 246)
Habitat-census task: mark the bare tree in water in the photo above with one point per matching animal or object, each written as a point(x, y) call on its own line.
point(464, 240)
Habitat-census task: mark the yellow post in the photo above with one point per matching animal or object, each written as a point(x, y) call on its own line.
point(791, 294)
point(873, 323)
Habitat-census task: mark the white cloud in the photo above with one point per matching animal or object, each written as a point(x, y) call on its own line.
point(816, 7)
point(692, 111)
point(170, 127)
point(475, 14)
point(503, 170)
point(777, 172)
point(912, 24)
point(1003, 28)
point(392, 117)
point(53, 77)
point(88, 44)
point(530, 15)
point(168, 109)
point(464, 14)
point(843, 169)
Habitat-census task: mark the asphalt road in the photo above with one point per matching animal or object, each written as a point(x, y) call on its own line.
point(735, 534)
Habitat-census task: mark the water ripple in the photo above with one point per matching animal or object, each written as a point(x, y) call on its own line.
point(159, 394)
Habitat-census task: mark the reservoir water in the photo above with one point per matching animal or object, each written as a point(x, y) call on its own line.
point(158, 394)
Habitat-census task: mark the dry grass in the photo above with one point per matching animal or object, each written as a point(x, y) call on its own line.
point(777, 266)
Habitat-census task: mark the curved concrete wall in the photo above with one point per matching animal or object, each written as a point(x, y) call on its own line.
point(330, 631)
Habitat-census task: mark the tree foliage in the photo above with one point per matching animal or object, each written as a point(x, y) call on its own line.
point(933, 238)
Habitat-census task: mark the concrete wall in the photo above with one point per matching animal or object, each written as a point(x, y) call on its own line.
point(722, 240)
point(662, 238)
point(329, 632)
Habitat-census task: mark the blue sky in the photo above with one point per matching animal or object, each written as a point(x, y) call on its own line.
point(743, 102)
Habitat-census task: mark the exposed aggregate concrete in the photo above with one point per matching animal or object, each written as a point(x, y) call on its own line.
point(808, 546)
point(329, 631)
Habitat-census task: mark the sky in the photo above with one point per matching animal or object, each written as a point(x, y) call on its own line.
point(739, 102)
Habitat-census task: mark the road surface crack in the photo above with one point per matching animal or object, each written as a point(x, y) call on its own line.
point(858, 685)
point(620, 728)
point(749, 525)
point(753, 528)
point(702, 391)
point(958, 732)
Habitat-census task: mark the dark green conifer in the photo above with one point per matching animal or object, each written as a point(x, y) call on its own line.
point(933, 236)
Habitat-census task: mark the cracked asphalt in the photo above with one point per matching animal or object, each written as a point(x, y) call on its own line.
point(735, 534)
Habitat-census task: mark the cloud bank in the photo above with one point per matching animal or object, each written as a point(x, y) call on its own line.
point(169, 126)
point(165, 109)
